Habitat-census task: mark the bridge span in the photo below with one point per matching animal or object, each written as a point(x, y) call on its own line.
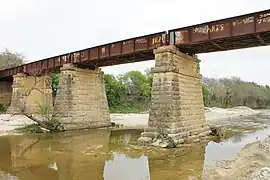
point(249, 30)
point(177, 103)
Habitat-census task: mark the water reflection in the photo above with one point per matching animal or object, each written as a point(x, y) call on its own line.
point(124, 167)
point(124, 136)
point(228, 149)
point(109, 155)
point(76, 155)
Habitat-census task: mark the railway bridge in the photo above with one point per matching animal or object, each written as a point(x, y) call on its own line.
point(176, 101)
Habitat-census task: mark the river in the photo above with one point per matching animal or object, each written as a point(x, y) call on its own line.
point(110, 155)
point(113, 155)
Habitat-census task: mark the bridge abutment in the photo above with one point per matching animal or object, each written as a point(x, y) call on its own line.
point(81, 100)
point(177, 108)
point(31, 94)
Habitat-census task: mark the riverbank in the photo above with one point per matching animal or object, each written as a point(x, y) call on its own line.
point(217, 116)
point(252, 163)
point(9, 123)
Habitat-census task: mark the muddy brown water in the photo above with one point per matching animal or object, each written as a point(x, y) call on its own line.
point(111, 155)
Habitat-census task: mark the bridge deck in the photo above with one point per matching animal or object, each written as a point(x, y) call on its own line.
point(244, 31)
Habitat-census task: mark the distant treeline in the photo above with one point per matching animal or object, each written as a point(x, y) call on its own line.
point(131, 92)
point(228, 92)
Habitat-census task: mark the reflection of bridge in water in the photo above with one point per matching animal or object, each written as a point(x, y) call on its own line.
point(100, 154)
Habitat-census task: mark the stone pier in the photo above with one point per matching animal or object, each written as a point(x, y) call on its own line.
point(81, 100)
point(177, 109)
point(31, 94)
point(5, 93)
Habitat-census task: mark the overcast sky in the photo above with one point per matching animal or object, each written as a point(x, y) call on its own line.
point(44, 28)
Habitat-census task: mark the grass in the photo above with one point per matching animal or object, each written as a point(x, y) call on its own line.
point(51, 125)
point(32, 128)
point(129, 108)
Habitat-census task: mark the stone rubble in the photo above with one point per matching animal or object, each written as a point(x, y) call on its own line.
point(261, 174)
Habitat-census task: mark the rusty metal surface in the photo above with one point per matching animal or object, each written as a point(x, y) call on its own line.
point(246, 27)
point(108, 54)
point(244, 31)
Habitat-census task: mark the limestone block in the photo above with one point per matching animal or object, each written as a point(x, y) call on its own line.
point(176, 101)
point(31, 94)
point(5, 92)
point(81, 100)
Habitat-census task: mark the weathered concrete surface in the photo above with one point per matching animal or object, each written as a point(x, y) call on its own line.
point(30, 93)
point(81, 100)
point(176, 102)
point(5, 92)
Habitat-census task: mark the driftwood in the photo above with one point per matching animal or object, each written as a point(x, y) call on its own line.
point(49, 125)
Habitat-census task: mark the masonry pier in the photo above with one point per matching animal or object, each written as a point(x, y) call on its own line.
point(5, 93)
point(81, 100)
point(31, 94)
point(177, 107)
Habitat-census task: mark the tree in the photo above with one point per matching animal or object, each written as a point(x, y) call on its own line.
point(44, 111)
point(227, 92)
point(206, 94)
point(55, 81)
point(128, 92)
point(116, 91)
point(9, 59)
point(137, 83)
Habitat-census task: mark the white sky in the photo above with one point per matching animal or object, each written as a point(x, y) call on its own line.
point(44, 28)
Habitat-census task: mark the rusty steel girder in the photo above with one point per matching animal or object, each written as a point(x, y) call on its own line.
point(249, 30)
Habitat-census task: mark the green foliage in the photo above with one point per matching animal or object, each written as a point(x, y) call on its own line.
point(52, 125)
point(129, 92)
point(3, 108)
point(55, 82)
point(115, 90)
point(206, 94)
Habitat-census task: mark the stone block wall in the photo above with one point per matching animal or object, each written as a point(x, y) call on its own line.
point(31, 94)
point(5, 92)
point(81, 100)
point(176, 103)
